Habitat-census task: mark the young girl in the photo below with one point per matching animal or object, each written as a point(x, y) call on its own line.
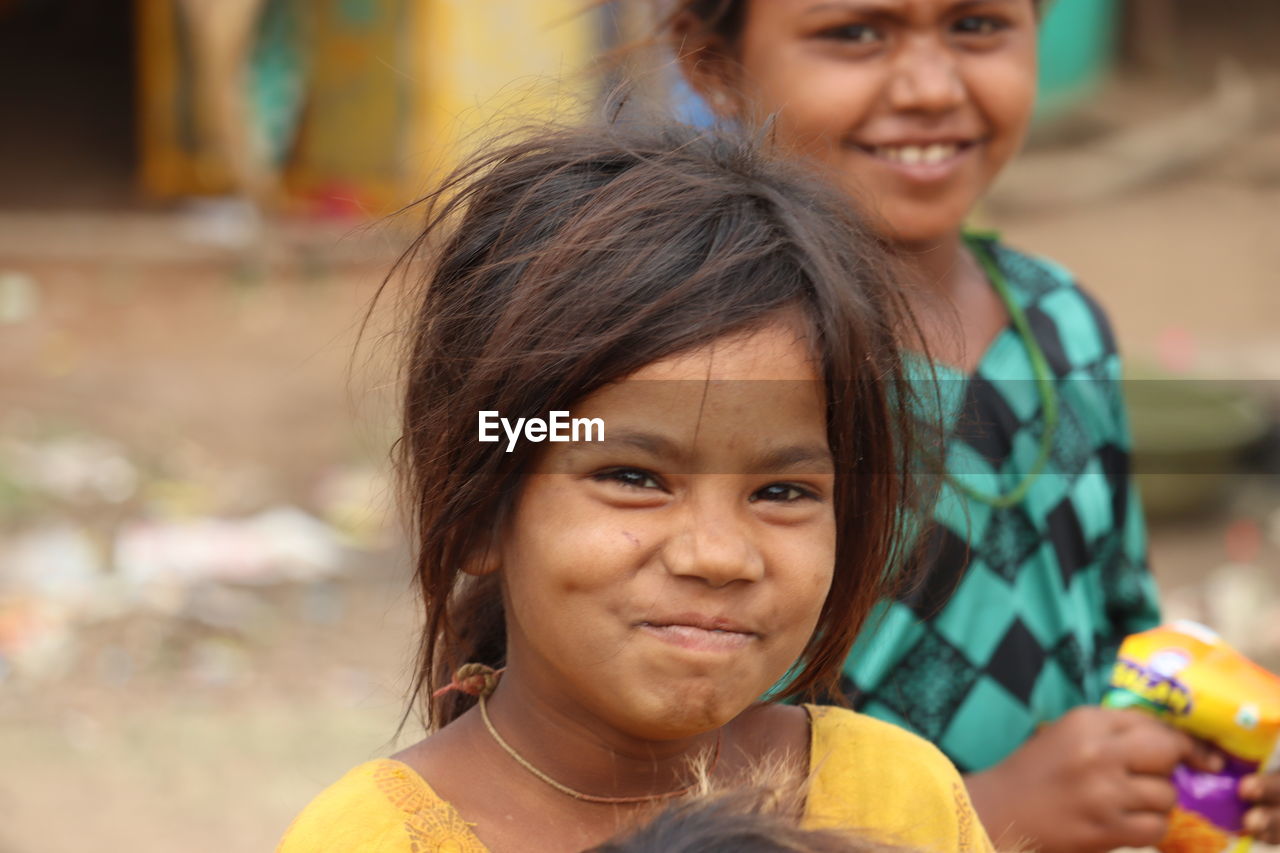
point(1039, 559)
point(603, 612)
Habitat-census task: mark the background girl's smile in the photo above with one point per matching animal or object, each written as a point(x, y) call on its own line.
point(925, 163)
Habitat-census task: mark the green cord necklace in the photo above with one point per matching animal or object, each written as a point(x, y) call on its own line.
point(1043, 376)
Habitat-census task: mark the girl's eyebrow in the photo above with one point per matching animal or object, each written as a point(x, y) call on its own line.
point(965, 4)
point(888, 6)
point(782, 458)
point(794, 456)
point(843, 6)
point(648, 442)
point(863, 6)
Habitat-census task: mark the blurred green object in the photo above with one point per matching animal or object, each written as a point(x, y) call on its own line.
point(1077, 46)
point(1189, 437)
point(278, 79)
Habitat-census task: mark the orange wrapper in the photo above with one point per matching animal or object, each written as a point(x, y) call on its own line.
point(1186, 675)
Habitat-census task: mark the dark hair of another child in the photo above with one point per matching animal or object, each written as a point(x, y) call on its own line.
point(737, 822)
point(564, 261)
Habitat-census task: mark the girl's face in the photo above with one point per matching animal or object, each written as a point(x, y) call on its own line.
point(658, 582)
point(916, 104)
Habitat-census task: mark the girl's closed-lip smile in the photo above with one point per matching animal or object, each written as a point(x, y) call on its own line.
point(696, 632)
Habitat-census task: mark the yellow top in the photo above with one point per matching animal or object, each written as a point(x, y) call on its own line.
point(866, 775)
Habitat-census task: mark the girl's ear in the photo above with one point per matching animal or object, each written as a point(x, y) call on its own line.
point(484, 559)
point(484, 556)
point(707, 64)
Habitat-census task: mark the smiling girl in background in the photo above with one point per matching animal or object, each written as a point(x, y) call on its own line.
point(1038, 562)
point(603, 616)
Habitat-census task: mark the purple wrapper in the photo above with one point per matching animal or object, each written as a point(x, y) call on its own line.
point(1213, 795)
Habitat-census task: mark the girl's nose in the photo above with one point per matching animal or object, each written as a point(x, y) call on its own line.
point(714, 547)
point(925, 78)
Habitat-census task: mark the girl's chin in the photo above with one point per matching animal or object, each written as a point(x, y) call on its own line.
point(920, 232)
point(669, 718)
point(913, 223)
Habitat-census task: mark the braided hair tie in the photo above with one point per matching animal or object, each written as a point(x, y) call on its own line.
point(473, 679)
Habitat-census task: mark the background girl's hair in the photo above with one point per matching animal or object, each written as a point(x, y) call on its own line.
point(725, 18)
point(565, 260)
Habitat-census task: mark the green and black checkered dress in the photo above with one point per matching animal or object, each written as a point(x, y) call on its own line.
point(1022, 609)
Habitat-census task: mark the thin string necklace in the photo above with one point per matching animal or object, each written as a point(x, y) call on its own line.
point(1043, 376)
point(480, 681)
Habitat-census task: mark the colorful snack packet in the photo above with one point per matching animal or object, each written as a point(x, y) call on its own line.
point(1186, 675)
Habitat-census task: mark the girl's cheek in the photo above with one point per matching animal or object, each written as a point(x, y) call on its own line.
point(811, 580)
point(1009, 91)
point(820, 584)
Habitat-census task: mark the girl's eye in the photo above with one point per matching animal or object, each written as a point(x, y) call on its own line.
point(782, 493)
point(979, 25)
point(853, 34)
point(633, 478)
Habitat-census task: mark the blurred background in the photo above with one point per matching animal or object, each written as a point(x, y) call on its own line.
point(204, 604)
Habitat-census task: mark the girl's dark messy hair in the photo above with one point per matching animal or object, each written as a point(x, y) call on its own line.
point(759, 812)
point(743, 821)
point(567, 259)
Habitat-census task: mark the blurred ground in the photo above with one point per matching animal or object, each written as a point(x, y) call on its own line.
point(193, 384)
point(226, 391)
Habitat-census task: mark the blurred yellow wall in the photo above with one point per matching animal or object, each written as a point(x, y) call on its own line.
point(494, 61)
point(396, 90)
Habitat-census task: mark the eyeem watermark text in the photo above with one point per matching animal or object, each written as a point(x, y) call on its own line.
point(557, 427)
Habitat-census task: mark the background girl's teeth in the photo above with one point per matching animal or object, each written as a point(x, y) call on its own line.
point(938, 153)
point(916, 154)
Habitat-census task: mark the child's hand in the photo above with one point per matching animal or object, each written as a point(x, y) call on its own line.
point(1263, 820)
point(1095, 780)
